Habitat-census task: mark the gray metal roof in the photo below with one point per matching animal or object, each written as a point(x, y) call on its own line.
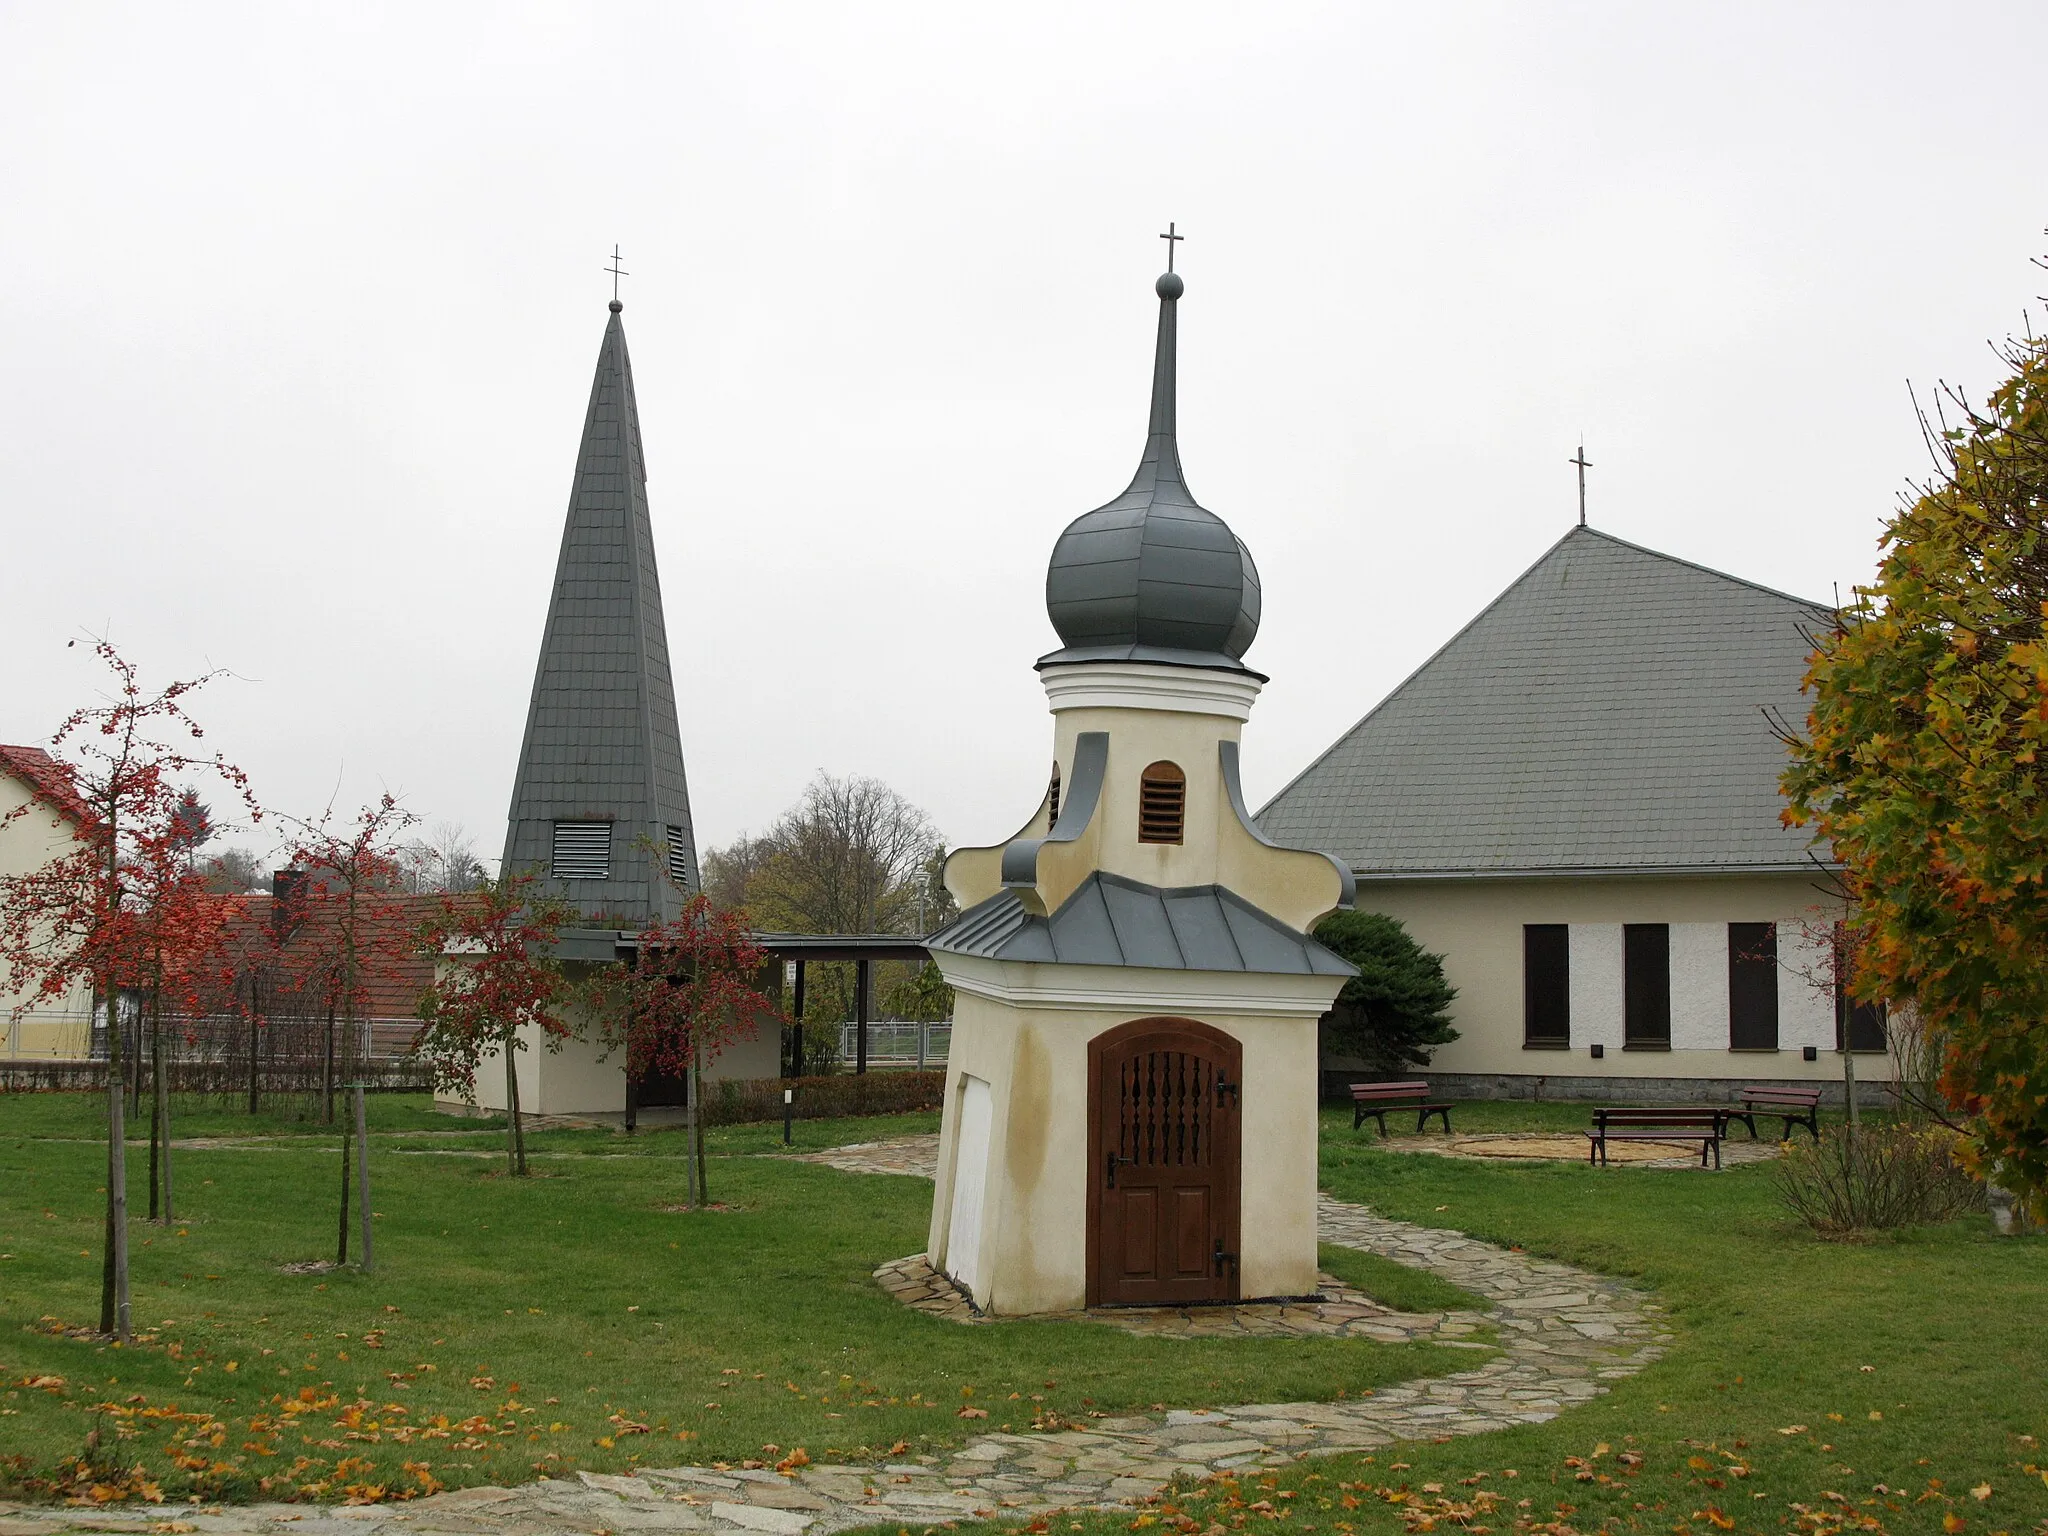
point(1114, 921)
point(1152, 576)
point(602, 743)
point(1611, 711)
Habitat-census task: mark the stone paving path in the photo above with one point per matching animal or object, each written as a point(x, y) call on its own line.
point(1563, 1335)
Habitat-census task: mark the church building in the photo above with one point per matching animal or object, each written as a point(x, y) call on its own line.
point(1130, 1111)
point(1575, 802)
point(600, 805)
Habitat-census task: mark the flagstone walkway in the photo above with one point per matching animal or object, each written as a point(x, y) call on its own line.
point(1563, 1335)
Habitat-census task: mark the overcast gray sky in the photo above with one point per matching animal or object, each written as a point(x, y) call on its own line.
point(299, 307)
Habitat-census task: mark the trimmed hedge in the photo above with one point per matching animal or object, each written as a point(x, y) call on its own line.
point(735, 1100)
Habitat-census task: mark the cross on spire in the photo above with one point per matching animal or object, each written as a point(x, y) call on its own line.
point(616, 273)
point(1171, 239)
point(1584, 464)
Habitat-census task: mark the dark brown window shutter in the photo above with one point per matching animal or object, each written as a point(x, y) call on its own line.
point(1162, 804)
point(1646, 986)
point(1546, 984)
point(1753, 986)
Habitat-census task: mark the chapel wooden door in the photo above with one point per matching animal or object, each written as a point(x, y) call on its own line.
point(1163, 1149)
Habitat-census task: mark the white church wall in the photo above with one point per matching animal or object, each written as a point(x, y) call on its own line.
point(1477, 926)
point(1595, 960)
point(1699, 986)
point(1806, 1004)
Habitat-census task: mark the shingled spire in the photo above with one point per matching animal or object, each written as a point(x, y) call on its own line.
point(600, 806)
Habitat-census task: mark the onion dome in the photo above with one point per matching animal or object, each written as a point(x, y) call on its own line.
point(1153, 576)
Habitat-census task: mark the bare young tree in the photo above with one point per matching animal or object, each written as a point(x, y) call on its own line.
point(444, 862)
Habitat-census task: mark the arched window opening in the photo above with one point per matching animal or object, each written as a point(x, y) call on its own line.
point(1162, 803)
point(1055, 821)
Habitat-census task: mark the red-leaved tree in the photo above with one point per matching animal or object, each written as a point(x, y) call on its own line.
point(88, 916)
point(688, 994)
point(355, 923)
point(499, 984)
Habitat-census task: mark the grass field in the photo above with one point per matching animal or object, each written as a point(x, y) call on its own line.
point(1899, 1384)
point(570, 1320)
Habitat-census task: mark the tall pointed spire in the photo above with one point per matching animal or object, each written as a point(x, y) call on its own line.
point(1160, 465)
point(600, 804)
point(1153, 575)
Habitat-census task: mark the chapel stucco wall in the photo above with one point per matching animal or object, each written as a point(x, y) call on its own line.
point(579, 1079)
point(1476, 925)
point(1032, 1255)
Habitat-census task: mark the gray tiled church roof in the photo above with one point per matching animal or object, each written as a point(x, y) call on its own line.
point(1611, 711)
point(602, 742)
point(1110, 920)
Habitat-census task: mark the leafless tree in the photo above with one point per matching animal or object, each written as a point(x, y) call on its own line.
point(443, 861)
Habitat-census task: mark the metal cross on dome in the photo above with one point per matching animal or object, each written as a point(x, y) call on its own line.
point(1171, 239)
point(616, 273)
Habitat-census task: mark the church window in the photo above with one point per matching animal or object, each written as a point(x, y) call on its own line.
point(583, 850)
point(1646, 987)
point(1055, 820)
point(1162, 803)
point(678, 857)
point(1752, 986)
point(1546, 986)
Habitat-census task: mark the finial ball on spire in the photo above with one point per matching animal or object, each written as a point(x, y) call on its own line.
point(616, 307)
point(1169, 285)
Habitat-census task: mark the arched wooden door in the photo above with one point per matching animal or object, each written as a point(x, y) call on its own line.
point(1163, 1149)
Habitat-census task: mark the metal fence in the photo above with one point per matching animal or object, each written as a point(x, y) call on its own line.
point(898, 1044)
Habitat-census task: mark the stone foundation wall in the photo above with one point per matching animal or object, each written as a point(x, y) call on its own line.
point(1610, 1090)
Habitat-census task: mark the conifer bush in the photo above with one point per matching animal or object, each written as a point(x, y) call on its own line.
point(1396, 1010)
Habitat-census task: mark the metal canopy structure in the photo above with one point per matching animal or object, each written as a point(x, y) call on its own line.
point(600, 946)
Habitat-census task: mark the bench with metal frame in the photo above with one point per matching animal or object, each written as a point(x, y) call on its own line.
point(1656, 1123)
point(1795, 1106)
point(1375, 1099)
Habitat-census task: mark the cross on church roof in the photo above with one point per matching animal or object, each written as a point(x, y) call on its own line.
point(1171, 239)
point(616, 275)
point(1584, 464)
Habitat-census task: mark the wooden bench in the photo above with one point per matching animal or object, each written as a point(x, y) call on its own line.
point(1705, 1126)
point(1376, 1099)
point(1795, 1106)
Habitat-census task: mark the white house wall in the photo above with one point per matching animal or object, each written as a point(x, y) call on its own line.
point(32, 834)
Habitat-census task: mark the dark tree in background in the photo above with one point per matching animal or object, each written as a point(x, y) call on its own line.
point(1395, 1011)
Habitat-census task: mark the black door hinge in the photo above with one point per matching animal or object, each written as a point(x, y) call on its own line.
point(1225, 1089)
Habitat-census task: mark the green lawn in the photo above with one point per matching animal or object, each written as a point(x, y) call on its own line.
point(567, 1321)
point(1762, 1418)
point(1813, 1385)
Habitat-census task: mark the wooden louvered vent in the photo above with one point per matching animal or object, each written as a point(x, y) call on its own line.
point(1055, 796)
point(678, 858)
point(1162, 804)
point(582, 850)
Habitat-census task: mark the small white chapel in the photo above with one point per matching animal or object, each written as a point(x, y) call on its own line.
point(1130, 1113)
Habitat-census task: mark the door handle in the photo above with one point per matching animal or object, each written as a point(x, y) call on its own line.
point(1110, 1166)
point(1222, 1258)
